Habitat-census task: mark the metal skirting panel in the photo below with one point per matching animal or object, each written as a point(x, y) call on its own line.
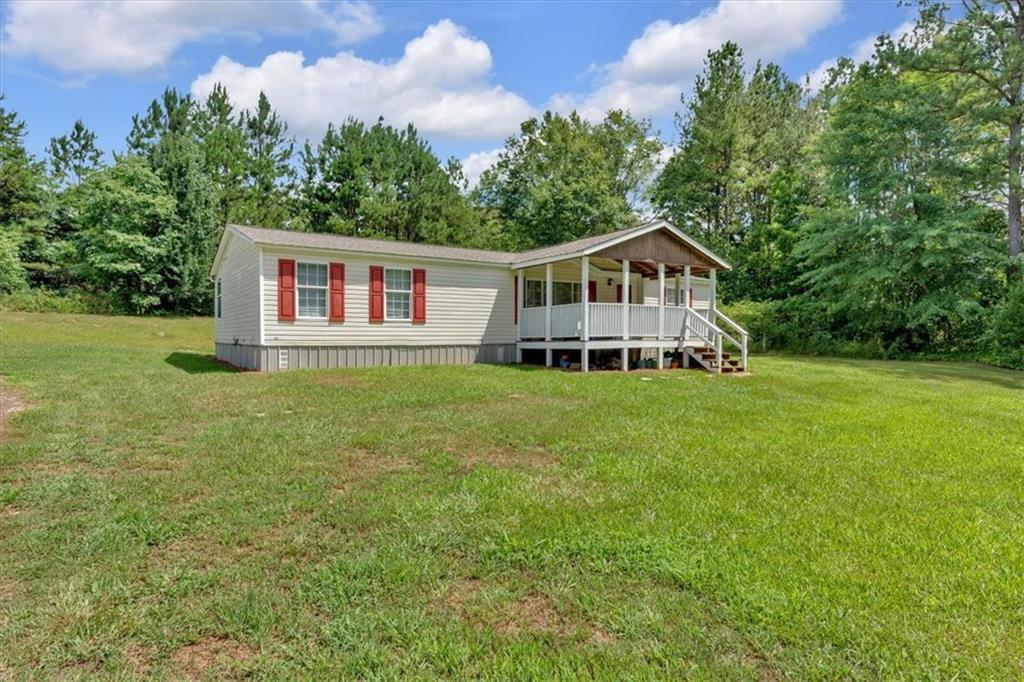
point(276, 358)
point(238, 355)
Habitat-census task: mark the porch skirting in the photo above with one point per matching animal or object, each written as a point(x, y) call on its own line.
point(276, 358)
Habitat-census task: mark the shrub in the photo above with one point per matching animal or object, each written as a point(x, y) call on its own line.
point(48, 301)
point(12, 273)
point(1006, 339)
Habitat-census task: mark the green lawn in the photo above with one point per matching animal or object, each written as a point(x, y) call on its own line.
point(817, 519)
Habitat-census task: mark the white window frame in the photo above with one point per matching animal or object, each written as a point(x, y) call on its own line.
point(573, 286)
point(326, 289)
point(218, 298)
point(387, 292)
point(526, 293)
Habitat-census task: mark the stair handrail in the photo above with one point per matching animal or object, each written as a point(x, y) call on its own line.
point(742, 332)
point(718, 333)
point(686, 325)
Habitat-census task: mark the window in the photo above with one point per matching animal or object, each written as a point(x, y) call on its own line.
point(217, 296)
point(311, 289)
point(534, 293)
point(567, 292)
point(397, 294)
point(670, 296)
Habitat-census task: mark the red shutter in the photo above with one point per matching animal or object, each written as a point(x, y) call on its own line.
point(337, 302)
point(419, 296)
point(376, 294)
point(618, 293)
point(285, 289)
point(515, 294)
point(592, 291)
point(691, 297)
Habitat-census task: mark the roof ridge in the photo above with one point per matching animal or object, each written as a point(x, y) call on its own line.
point(367, 239)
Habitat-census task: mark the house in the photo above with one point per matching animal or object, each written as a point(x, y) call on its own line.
point(286, 300)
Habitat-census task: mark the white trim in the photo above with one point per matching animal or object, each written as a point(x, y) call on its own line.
point(549, 299)
point(326, 289)
point(259, 259)
point(657, 225)
point(218, 297)
point(411, 287)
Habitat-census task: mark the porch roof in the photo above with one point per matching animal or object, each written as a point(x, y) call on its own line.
point(595, 245)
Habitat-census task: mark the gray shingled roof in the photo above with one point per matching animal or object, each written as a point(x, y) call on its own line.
point(567, 248)
point(313, 240)
point(338, 242)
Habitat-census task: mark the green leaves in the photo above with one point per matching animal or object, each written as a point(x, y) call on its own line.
point(382, 182)
point(564, 178)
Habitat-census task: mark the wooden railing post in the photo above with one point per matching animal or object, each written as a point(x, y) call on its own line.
point(718, 352)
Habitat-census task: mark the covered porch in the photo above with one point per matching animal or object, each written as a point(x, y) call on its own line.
point(647, 288)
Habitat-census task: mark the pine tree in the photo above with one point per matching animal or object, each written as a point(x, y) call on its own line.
point(73, 156)
point(23, 203)
point(224, 152)
point(269, 173)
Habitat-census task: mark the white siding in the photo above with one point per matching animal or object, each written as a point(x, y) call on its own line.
point(467, 304)
point(239, 275)
point(569, 271)
point(700, 285)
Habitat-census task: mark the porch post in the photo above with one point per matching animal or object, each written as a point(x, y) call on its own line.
point(624, 359)
point(548, 295)
point(686, 313)
point(585, 317)
point(713, 304)
point(625, 298)
point(519, 313)
point(661, 304)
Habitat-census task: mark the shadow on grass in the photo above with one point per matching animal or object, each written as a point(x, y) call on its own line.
point(197, 363)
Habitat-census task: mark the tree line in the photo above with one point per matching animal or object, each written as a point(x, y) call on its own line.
point(880, 214)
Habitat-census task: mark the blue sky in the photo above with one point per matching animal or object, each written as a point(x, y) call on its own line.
point(465, 73)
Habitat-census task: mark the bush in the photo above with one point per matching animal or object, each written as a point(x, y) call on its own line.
point(47, 301)
point(1006, 340)
point(12, 273)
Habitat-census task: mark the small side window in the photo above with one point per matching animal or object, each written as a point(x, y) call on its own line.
point(218, 302)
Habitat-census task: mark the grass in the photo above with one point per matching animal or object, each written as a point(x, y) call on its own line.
point(818, 519)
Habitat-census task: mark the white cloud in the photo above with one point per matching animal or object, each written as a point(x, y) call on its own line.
point(439, 84)
point(860, 51)
point(127, 37)
point(476, 163)
point(661, 62)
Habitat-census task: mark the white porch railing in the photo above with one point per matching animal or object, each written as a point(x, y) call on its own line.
point(680, 323)
point(606, 319)
point(532, 322)
point(643, 320)
point(565, 320)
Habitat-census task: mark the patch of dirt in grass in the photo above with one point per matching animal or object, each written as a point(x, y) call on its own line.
point(364, 465)
point(534, 614)
point(10, 403)
point(78, 670)
point(194, 660)
point(51, 468)
point(138, 657)
point(503, 457)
